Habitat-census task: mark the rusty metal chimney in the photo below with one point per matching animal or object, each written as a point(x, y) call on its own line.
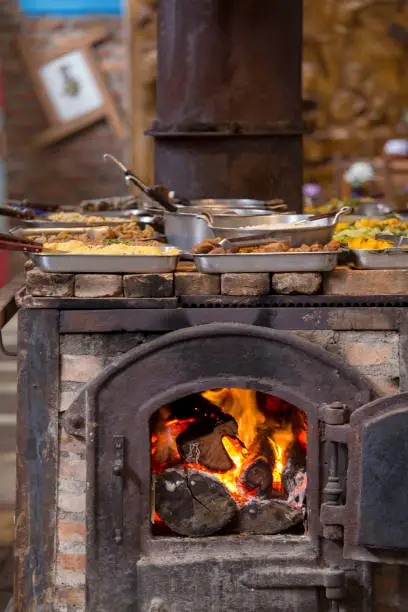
point(229, 99)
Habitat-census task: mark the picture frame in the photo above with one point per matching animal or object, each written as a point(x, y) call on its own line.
point(71, 89)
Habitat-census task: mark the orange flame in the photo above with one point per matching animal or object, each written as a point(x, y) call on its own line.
point(264, 433)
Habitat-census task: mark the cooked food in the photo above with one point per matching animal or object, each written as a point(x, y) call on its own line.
point(362, 233)
point(118, 203)
point(126, 232)
point(335, 204)
point(211, 247)
point(74, 217)
point(117, 248)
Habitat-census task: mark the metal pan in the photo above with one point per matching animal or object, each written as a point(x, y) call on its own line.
point(106, 264)
point(318, 261)
point(283, 227)
point(385, 259)
point(185, 230)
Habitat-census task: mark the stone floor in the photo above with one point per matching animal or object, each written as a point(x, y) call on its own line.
point(8, 405)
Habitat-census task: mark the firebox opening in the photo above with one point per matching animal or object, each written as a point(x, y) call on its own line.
point(228, 461)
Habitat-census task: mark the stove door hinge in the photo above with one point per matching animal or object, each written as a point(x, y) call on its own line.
point(335, 432)
point(118, 466)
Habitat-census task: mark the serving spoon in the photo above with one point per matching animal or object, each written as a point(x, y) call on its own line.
point(158, 194)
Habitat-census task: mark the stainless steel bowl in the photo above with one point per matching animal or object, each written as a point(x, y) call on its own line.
point(186, 229)
point(281, 227)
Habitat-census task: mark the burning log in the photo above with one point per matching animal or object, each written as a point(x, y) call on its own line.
point(202, 443)
point(268, 517)
point(193, 503)
point(258, 476)
point(294, 477)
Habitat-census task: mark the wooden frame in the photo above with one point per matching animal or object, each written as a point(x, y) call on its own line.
point(60, 128)
point(141, 149)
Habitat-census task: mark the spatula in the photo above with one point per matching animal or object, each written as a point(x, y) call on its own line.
point(158, 194)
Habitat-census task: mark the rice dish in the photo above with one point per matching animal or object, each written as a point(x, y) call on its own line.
point(79, 248)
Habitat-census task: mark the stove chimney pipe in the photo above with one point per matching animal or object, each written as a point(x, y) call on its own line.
point(229, 99)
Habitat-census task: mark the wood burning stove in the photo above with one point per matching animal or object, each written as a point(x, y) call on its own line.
point(168, 531)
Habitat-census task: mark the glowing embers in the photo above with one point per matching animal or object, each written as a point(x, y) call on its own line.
point(230, 460)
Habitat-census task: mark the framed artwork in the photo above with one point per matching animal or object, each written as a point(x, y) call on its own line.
point(71, 89)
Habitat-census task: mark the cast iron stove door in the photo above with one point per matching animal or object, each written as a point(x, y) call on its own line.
point(374, 518)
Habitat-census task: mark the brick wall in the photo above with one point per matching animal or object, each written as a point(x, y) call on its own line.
point(72, 169)
point(374, 354)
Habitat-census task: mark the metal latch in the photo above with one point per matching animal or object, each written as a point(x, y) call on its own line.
point(117, 487)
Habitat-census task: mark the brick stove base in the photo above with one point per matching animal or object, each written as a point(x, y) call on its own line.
point(376, 354)
point(86, 339)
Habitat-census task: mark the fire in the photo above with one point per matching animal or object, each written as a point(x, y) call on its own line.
point(267, 430)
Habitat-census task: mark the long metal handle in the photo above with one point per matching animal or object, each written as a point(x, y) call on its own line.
point(118, 467)
point(16, 213)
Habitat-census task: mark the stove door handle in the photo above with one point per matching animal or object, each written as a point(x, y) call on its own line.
point(118, 466)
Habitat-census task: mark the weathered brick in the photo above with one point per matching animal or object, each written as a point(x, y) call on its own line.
point(303, 283)
point(72, 562)
point(66, 399)
point(366, 282)
point(148, 285)
point(46, 284)
point(71, 531)
point(71, 446)
point(246, 284)
point(196, 283)
point(71, 502)
point(70, 598)
point(68, 578)
point(74, 469)
point(98, 285)
point(80, 368)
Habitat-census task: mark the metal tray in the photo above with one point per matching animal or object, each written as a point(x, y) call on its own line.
point(319, 261)
point(386, 259)
point(105, 264)
point(281, 228)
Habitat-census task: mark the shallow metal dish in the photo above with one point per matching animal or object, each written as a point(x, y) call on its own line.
point(320, 231)
point(385, 259)
point(373, 209)
point(105, 264)
point(318, 261)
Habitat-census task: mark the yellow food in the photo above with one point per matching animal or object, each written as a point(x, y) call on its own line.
point(369, 244)
point(79, 248)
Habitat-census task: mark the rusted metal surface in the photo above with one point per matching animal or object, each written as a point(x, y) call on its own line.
point(171, 367)
point(229, 99)
point(375, 513)
point(8, 306)
point(37, 460)
point(153, 320)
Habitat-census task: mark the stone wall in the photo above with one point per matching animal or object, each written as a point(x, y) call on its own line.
point(72, 169)
point(374, 354)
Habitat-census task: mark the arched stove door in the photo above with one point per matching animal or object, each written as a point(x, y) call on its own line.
point(374, 518)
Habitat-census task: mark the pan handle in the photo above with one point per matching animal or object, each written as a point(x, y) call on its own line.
point(12, 243)
point(16, 213)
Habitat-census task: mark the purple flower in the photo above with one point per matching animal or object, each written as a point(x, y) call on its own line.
point(312, 190)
